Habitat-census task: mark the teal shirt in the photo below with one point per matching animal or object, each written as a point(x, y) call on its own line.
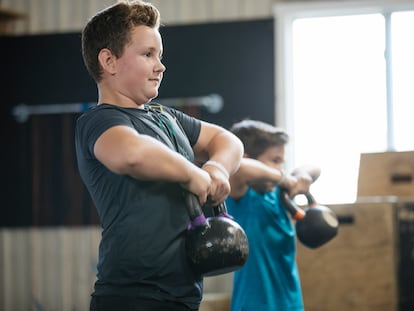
point(269, 281)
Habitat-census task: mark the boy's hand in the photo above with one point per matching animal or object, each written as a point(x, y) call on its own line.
point(199, 184)
point(220, 185)
point(298, 184)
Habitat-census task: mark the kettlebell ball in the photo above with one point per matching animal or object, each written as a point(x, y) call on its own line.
point(315, 224)
point(214, 245)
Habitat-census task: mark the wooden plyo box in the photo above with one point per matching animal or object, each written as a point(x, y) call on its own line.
point(217, 292)
point(216, 302)
point(386, 174)
point(357, 269)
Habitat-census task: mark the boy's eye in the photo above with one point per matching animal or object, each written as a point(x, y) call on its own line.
point(277, 161)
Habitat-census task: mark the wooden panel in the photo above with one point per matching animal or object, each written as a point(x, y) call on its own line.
point(357, 269)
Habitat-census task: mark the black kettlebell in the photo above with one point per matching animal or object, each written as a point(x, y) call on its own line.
point(315, 225)
point(214, 245)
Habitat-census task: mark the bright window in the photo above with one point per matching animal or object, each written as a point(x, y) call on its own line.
point(335, 95)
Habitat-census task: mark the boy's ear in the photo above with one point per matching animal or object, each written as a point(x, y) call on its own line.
point(107, 60)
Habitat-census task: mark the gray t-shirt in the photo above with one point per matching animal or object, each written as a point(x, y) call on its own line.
point(142, 251)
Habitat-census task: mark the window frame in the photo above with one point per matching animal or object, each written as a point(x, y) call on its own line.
point(284, 15)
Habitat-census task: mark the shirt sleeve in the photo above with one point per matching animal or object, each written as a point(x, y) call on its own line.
point(92, 124)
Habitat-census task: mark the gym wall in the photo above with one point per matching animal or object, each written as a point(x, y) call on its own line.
point(41, 185)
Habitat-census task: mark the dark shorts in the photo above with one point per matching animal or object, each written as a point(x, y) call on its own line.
point(116, 303)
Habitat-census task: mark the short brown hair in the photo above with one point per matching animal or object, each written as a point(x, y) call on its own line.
point(111, 29)
point(257, 136)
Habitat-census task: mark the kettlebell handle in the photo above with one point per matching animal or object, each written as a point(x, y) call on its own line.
point(221, 211)
point(295, 211)
point(311, 200)
point(194, 210)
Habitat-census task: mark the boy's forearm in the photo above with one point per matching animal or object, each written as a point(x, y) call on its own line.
point(227, 150)
point(160, 164)
point(252, 170)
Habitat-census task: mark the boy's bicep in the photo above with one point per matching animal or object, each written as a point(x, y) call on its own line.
point(207, 133)
point(114, 147)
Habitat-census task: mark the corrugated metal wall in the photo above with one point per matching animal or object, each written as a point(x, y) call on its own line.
point(54, 16)
point(47, 269)
point(53, 269)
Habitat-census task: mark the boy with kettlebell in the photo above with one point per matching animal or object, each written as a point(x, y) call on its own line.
point(269, 281)
point(137, 161)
